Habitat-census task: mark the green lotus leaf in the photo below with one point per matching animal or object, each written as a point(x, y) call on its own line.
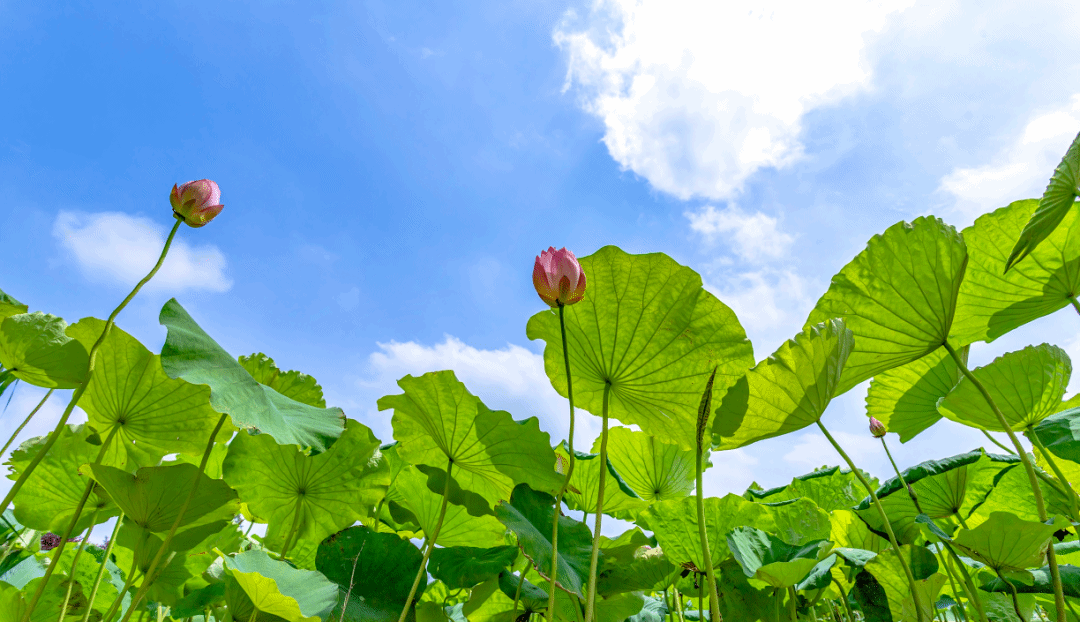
point(467, 566)
point(490, 603)
point(153, 496)
point(897, 296)
point(196, 602)
point(331, 490)
point(1056, 202)
point(9, 306)
point(530, 514)
point(848, 531)
point(647, 570)
point(654, 469)
point(767, 558)
point(620, 500)
point(259, 583)
point(437, 420)
point(622, 550)
point(459, 527)
point(81, 578)
point(905, 399)
point(1011, 492)
point(25, 571)
point(994, 301)
point(647, 329)
point(1026, 385)
point(1005, 542)
point(191, 354)
point(738, 599)
point(136, 547)
point(13, 605)
point(820, 575)
point(35, 349)
point(941, 487)
point(1042, 583)
point(152, 415)
point(1060, 433)
point(292, 384)
point(54, 489)
point(675, 525)
point(831, 489)
point(655, 610)
point(787, 391)
point(376, 569)
point(871, 598)
point(531, 597)
point(889, 574)
point(798, 521)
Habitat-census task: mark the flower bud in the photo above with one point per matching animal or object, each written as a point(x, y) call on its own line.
point(558, 277)
point(877, 428)
point(196, 202)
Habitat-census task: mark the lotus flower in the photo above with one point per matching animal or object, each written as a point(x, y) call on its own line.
point(558, 277)
point(877, 428)
point(196, 202)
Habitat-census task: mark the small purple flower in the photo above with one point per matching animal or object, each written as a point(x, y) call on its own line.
point(49, 541)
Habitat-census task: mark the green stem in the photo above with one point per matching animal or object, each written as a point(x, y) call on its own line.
point(710, 573)
point(847, 605)
point(290, 537)
point(150, 572)
point(776, 604)
point(700, 598)
point(25, 421)
point(679, 603)
point(431, 538)
point(68, 532)
point(1012, 592)
point(1033, 436)
point(997, 442)
point(1075, 304)
point(128, 581)
point(594, 556)
point(74, 561)
point(517, 593)
point(550, 613)
point(884, 519)
point(903, 482)
point(377, 524)
point(952, 579)
point(1051, 558)
point(791, 605)
point(101, 569)
point(91, 358)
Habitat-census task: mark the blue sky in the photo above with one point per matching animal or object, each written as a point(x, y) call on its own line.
point(390, 169)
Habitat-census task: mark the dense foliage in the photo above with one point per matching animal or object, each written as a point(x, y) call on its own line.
point(459, 516)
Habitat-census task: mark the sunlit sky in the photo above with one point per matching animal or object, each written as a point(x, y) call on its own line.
point(390, 169)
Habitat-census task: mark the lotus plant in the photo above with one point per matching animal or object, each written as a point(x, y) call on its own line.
point(560, 281)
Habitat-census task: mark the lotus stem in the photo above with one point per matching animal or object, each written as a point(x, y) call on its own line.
point(1033, 436)
point(776, 603)
point(952, 579)
point(903, 482)
point(594, 556)
point(678, 603)
point(700, 598)
point(884, 518)
point(150, 572)
point(101, 569)
point(25, 421)
point(847, 605)
point(997, 442)
point(1012, 592)
point(128, 581)
point(550, 613)
point(91, 358)
point(517, 592)
point(429, 545)
point(1051, 558)
point(704, 409)
point(74, 561)
point(68, 531)
point(1075, 304)
point(791, 605)
point(290, 537)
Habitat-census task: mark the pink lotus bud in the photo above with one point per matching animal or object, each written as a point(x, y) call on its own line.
point(196, 202)
point(877, 428)
point(558, 278)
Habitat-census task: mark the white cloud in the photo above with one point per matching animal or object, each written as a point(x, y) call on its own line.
point(771, 304)
point(753, 237)
point(118, 248)
point(1020, 171)
point(697, 95)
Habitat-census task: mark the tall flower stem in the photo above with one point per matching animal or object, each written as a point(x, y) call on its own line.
point(290, 538)
point(704, 409)
point(101, 568)
point(550, 614)
point(1040, 505)
point(151, 574)
point(594, 557)
point(1033, 436)
point(429, 545)
point(997, 442)
point(25, 421)
point(91, 358)
point(55, 561)
point(952, 579)
point(884, 519)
